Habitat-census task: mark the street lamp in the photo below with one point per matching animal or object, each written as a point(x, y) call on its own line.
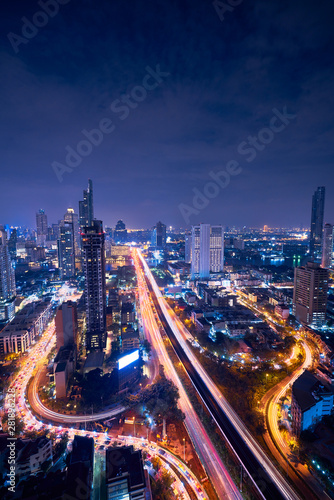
point(184, 449)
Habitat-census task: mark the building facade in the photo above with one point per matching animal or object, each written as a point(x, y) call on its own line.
point(187, 248)
point(7, 280)
point(120, 232)
point(311, 400)
point(93, 261)
point(310, 294)
point(86, 207)
point(32, 455)
point(126, 479)
point(66, 324)
point(317, 221)
point(72, 218)
point(42, 227)
point(207, 250)
point(29, 323)
point(327, 246)
point(159, 235)
point(66, 250)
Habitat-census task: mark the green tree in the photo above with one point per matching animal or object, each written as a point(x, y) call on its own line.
point(61, 445)
point(162, 486)
point(159, 400)
point(147, 347)
point(46, 465)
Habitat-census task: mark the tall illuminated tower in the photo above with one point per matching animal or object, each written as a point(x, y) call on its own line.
point(7, 280)
point(207, 250)
point(42, 227)
point(159, 235)
point(86, 207)
point(66, 250)
point(310, 294)
point(317, 221)
point(93, 262)
point(327, 246)
point(72, 218)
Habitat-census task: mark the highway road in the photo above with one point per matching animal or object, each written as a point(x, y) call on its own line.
point(302, 478)
point(33, 363)
point(53, 416)
point(267, 481)
point(300, 474)
point(210, 459)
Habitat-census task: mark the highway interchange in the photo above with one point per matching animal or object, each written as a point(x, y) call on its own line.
point(267, 481)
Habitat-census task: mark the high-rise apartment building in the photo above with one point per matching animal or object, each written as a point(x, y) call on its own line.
point(317, 221)
point(12, 243)
point(120, 233)
point(66, 324)
point(127, 479)
point(159, 235)
point(86, 207)
point(310, 294)
point(327, 246)
point(187, 248)
point(93, 261)
point(66, 250)
point(42, 227)
point(207, 250)
point(72, 217)
point(7, 280)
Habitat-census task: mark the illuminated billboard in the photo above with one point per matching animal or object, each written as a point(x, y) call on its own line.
point(128, 359)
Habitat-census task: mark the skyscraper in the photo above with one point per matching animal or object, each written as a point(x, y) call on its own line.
point(327, 246)
point(120, 233)
point(72, 218)
point(7, 280)
point(66, 324)
point(42, 227)
point(310, 294)
point(66, 250)
point(187, 248)
point(86, 207)
point(317, 221)
point(12, 243)
point(207, 250)
point(159, 235)
point(93, 261)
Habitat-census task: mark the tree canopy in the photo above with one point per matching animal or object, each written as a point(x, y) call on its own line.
point(159, 399)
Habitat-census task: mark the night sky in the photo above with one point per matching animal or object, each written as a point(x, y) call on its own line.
point(223, 74)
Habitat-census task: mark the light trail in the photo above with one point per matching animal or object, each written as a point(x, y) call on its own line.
point(272, 410)
point(181, 333)
point(34, 361)
point(216, 470)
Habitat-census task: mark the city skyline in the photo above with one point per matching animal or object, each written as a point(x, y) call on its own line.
point(167, 250)
point(70, 211)
point(223, 83)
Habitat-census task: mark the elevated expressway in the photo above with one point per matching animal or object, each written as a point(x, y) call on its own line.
point(268, 482)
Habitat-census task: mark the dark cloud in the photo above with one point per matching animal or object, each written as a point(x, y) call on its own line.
point(225, 79)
